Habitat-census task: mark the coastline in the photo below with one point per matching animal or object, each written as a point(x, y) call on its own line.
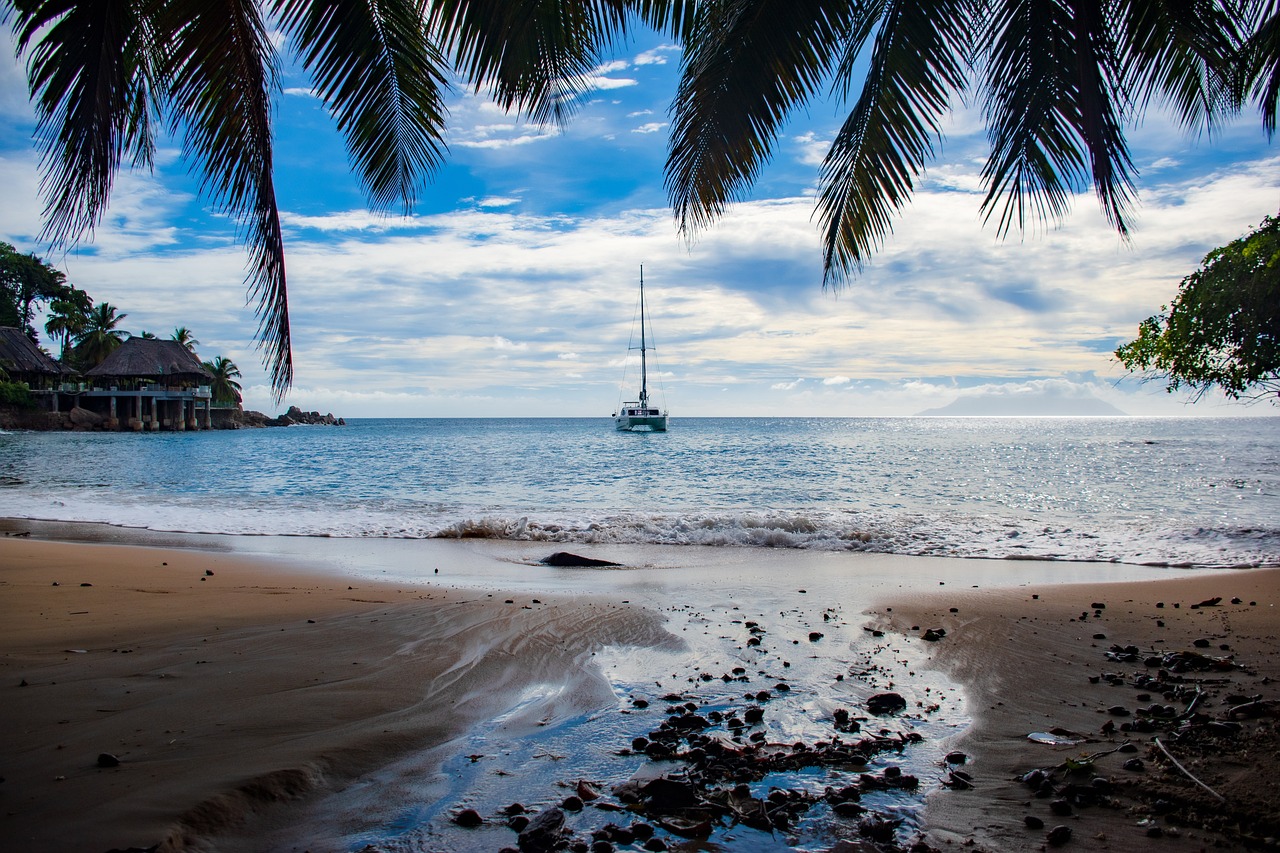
point(221, 697)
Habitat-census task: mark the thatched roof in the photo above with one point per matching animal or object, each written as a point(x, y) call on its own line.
point(18, 355)
point(148, 358)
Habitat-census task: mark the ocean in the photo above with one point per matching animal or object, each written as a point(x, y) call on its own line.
point(1170, 491)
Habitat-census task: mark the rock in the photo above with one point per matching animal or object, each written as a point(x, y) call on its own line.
point(542, 833)
point(564, 558)
point(572, 803)
point(933, 635)
point(1061, 808)
point(815, 636)
point(468, 818)
point(106, 759)
point(886, 703)
point(956, 758)
point(84, 418)
point(1033, 822)
point(1059, 835)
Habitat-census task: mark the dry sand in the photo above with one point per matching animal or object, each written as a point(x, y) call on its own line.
point(224, 693)
point(1025, 657)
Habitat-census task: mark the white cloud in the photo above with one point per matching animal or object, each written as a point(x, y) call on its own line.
point(655, 56)
point(301, 92)
point(611, 67)
point(649, 127)
point(498, 201)
point(837, 380)
point(568, 356)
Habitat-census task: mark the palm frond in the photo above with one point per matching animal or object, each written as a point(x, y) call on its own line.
point(219, 63)
point(382, 79)
point(90, 75)
point(1186, 52)
point(535, 55)
point(1054, 102)
point(1262, 63)
point(746, 65)
point(918, 62)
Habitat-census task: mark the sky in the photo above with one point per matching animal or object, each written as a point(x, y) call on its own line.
point(511, 288)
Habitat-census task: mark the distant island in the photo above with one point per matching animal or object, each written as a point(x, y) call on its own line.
point(1041, 402)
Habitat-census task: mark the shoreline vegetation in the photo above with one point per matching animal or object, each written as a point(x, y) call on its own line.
point(84, 420)
point(198, 699)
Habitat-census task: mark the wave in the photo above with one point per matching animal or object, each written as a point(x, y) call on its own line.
point(938, 534)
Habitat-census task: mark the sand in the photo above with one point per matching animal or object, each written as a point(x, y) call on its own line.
point(223, 688)
point(230, 698)
point(1025, 657)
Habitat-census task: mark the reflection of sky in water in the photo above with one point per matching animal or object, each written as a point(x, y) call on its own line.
point(530, 756)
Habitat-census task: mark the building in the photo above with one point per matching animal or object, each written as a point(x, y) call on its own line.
point(25, 362)
point(149, 384)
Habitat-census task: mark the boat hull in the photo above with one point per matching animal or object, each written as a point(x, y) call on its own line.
point(641, 423)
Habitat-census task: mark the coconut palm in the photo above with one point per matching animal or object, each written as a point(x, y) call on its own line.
point(67, 317)
point(147, 336)
point(224, 387)
point(183, 336)
point(101, 77)
point(1058, 80)
point(100, 336)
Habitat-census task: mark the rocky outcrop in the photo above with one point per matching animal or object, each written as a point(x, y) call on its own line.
point(248, 419)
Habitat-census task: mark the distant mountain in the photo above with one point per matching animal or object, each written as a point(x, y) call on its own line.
point(1051, 402)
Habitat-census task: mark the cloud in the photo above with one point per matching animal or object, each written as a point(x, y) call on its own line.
point(649, 127)
point(655, 56)
point(498, 201)
point(837, 380)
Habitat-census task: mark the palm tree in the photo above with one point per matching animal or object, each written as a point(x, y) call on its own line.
point(1058, 82)
point(67, 317)
point(147, 336)
point(183, 336)
point(100, 336)
point(224, 387)
point(103, 77)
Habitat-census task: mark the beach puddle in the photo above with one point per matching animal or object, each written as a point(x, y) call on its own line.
point(782, 722)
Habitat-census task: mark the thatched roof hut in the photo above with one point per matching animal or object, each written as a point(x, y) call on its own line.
point(149, 358)
point(23, 360)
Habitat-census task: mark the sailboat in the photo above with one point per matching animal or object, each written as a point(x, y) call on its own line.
point(638, 415)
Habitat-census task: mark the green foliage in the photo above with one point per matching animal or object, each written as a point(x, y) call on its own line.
point(1223, 328)
point(100, 337)
point(16, 394)
point(225, 388)
point(24, 281)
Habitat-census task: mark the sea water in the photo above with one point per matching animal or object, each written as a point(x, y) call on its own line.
point(1177, 491)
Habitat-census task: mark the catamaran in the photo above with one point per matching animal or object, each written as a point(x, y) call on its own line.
point(638, 415)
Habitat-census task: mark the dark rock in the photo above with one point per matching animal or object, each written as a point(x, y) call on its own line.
point(564, 558)
point(1033, 822)
point(1059, 835)
point(933, 635)
point(468, 818)
point(1134, 764)
point(886, 703)
point(542, 833)
point(815, 636)
point(1098, 605)
point(956, 758)
point(1201, 643)
point(106, 759)
point(572, 803)
point(1061, 808)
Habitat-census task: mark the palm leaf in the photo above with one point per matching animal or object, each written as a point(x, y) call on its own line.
point(747, 64)
point(1262, 62)
point(1185, 51)
point(534, 55)
point(382, 79)
point(219, 62)
point(918, 61)
point(90, 74)
point(1053, 108)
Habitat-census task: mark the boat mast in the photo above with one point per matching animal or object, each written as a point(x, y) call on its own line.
point(644, 375)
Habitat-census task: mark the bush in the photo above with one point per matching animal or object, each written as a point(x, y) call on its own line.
point(16, 394)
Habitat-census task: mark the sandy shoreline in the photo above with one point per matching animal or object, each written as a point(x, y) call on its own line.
point(222, 693)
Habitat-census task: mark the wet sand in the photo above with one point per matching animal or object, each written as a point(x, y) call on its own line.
point(225, 695)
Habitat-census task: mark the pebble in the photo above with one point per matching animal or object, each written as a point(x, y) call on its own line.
point(468, 818)
point(1060, 834)
point(1033, 822)
point(106, 759)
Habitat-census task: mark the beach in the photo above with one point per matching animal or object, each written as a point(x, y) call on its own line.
point(258, 703)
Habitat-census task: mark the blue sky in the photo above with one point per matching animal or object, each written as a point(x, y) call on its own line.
point(511, 288)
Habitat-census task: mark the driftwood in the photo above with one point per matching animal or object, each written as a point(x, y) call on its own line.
point(1187, 772)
